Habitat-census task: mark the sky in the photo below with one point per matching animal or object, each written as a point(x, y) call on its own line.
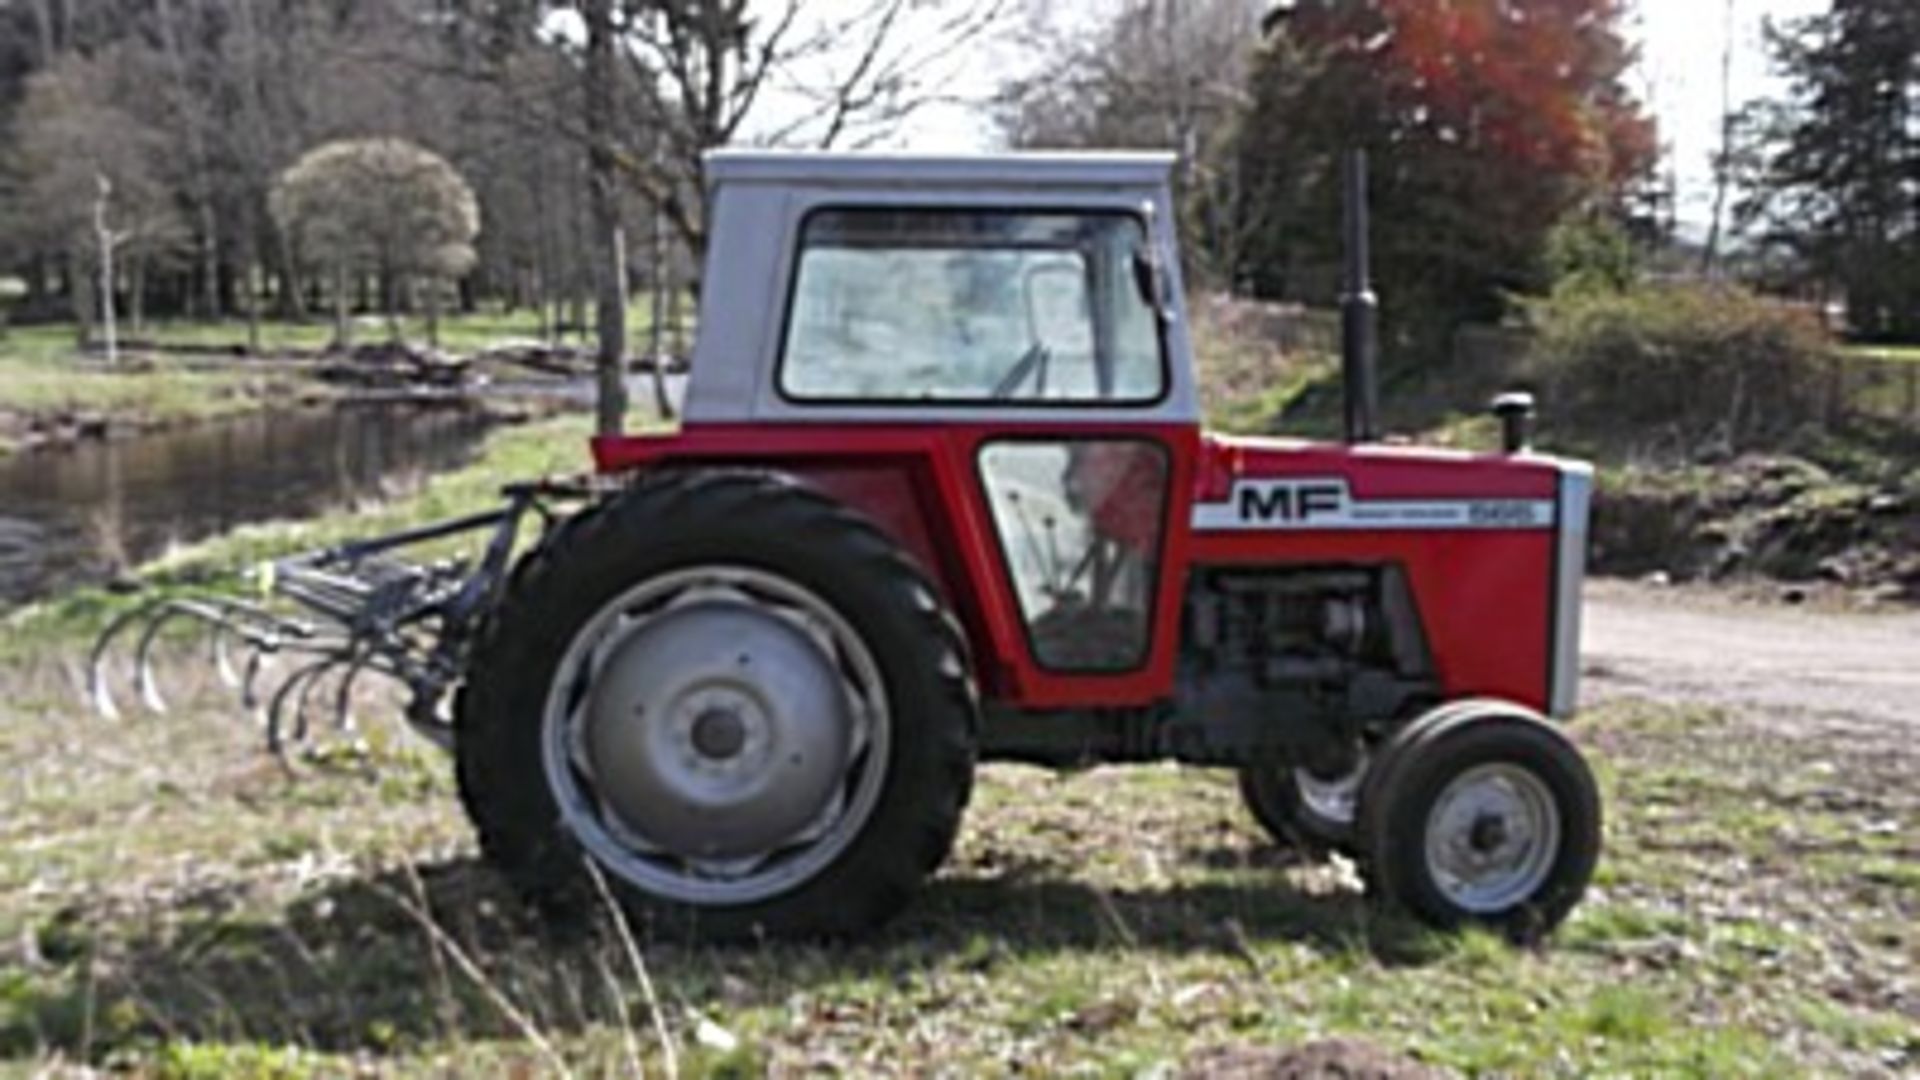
point(1678, 77)
point(1681, 43)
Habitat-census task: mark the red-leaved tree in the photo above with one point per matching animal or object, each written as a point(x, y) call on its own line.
point(1488, 122)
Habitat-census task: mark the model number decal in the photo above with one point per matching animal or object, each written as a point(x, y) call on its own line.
point(1327, 503)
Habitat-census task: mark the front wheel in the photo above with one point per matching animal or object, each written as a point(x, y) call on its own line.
point(1309, 811)
point(1482, 813)
point(732, 696)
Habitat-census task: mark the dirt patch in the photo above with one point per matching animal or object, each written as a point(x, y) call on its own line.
point(1329, 1059)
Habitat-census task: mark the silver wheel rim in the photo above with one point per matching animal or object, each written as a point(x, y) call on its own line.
point(1492, 838)
point(1335, 800)
point(775, 722)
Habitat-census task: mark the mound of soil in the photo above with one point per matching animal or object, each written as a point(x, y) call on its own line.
point(1759, 516)
point(1327, 1059)
point(394, 365)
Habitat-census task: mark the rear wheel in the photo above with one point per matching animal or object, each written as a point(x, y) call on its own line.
point(735, 698)
point(1481, 812)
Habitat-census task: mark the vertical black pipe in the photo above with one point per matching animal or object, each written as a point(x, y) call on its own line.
point(1359, 311)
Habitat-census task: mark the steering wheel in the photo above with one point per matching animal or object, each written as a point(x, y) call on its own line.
point(1033, 361)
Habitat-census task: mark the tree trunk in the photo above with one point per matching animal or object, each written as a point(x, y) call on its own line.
point(103, 236)
point(137, 295)
point(432, 286)
point(609, 239)
point(250, 301)
point(657, 309)
point(1723, 163)
point(36, 297)
point(342, 325)
point(390, 301)
point(80, 296)
point(193, 124)
point(290, 303)
point(210, 257)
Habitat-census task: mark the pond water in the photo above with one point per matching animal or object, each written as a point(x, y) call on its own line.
point(74, 515)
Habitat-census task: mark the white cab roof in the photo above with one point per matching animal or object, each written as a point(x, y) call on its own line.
point(761, 200)
point(1102, 169)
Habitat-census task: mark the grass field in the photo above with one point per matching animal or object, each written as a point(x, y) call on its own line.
point(41, 380)
point(459, 332)
point(43, 377)
point(1902, 353)
point(172, 901)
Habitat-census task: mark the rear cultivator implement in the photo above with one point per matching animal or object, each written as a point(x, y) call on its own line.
point(326, 618)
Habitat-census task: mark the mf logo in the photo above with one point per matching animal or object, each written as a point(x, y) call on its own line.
point(1325, 502)
point(1291, 501)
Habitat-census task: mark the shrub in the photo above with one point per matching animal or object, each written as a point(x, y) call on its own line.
point(1256, 360)
point(1590, 253)
point(1679, 367)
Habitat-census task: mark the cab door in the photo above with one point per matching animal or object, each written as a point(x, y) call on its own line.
point(1041, 344)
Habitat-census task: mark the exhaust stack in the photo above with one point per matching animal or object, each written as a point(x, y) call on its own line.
point(1359, 311)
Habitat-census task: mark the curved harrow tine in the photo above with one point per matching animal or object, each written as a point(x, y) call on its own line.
point(225, 617)
point(343, 694)
point(293, 690)
point(239, 614)
point(143, 679)
point(98, 693)
point(338, 612)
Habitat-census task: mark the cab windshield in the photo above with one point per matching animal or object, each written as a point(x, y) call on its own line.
point(973, 306)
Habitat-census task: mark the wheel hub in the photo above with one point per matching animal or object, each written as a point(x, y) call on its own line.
point(1492, 837)
point(1489, 832)
point(719, 734)
point(717, 730)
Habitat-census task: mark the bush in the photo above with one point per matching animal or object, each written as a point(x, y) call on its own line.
point(1680, 367)
point(1255, 360)
point(1591, 253)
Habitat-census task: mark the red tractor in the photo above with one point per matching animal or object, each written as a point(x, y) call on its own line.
point(941, 495)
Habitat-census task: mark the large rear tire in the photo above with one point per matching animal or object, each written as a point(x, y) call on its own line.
point(735, 698)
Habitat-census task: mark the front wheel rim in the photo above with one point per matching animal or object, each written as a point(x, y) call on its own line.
point(664, 865)
point(1492, 838)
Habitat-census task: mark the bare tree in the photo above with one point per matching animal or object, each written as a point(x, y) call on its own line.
point(72, 133)
point(193, 124)
point(610, 263)
point(106, 238)
point(1723, 165)
point(1155, 74)
point(706, 69)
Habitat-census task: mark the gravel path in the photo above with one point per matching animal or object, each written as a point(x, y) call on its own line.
point(1796, 670)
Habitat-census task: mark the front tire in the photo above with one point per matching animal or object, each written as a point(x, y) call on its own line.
point(732, 695)
point(1303, 810)
point(1481, 812)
